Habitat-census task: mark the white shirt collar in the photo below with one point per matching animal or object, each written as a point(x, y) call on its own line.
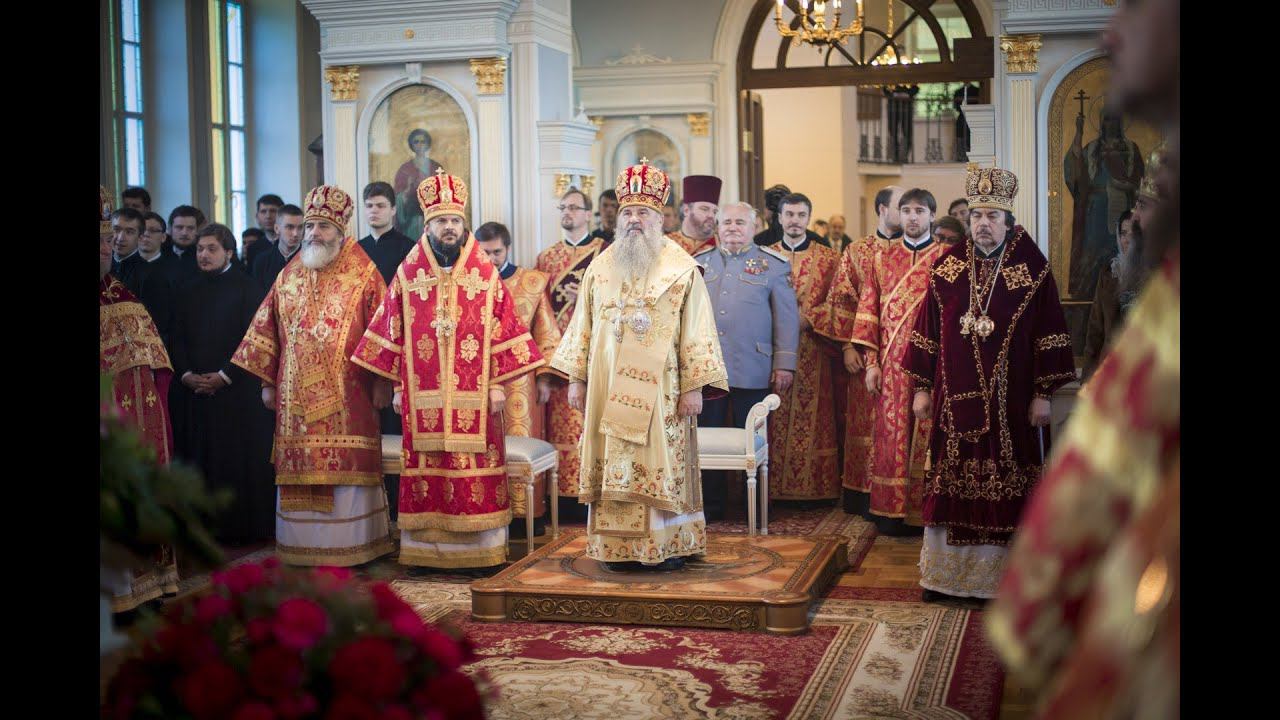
point(585, 237)
point(153, 258)
point(913, 245)
point(786, 240)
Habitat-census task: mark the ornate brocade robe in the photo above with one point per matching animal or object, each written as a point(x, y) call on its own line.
point(638, 472)
point(523, 415)
point(985, 453)
point(837, 323)
point(690, 245)
point(802, 431)
point(328, 441)
point(893, 289)
point(444, 337)
point(131, 352)
point(1101, 529)
point(565, 265)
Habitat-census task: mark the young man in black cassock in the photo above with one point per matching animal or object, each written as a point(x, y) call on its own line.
point(386, 247)
point(268, 264)
point(224, 429)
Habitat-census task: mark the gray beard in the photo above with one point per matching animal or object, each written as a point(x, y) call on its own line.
point(318, 257)
point(635, 254)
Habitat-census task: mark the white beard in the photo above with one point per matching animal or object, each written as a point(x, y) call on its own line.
point(635, 254)
point(317, 256)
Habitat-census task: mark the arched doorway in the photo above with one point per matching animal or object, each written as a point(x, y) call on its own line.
point(949, 39)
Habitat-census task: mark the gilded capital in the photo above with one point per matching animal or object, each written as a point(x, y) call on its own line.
point(588, 185)
point(562, 183)
point(699, 124)
point(491, 75)
point(598, 121)
point(1020, 52)
point(344, 81)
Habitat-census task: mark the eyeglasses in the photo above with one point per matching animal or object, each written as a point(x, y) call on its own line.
point(570, 208)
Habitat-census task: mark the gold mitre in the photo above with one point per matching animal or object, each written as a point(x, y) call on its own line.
point(990, 188)
point(1155, 162)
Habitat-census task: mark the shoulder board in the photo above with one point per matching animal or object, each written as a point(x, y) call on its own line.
point(704, 251)
point(776, 253)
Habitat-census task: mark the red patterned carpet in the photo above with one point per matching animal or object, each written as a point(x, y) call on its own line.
point(871, 652)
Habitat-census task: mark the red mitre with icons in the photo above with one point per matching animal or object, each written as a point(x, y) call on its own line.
point(643, 185)
point(442, 194)
point(701, 188)
point(331, 203)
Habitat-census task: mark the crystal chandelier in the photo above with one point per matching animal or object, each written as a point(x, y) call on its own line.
point(813, 23)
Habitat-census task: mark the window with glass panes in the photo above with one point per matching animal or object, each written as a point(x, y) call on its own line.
point(934, 99)
point(128, 93)
point(227, 91)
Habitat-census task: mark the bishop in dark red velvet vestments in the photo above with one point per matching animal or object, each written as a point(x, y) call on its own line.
point(988, 349)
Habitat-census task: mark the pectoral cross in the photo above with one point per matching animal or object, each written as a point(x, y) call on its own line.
point(421, 284)
point(1080, 96)
point(442, 325)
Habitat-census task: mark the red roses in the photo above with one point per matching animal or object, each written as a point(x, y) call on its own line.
point(274, 644)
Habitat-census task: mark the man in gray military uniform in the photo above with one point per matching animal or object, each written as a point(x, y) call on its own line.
point(759, 326)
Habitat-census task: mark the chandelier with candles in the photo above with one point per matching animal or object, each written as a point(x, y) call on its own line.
point(813, 23)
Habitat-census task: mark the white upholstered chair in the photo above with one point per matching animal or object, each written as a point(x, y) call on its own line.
point(526, 457)
point(747, 449)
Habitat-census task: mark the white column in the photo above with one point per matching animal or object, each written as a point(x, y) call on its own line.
point(493, 201)
point(344, 87)
point(982, 134)
point(526, 238)
point(1021, 66)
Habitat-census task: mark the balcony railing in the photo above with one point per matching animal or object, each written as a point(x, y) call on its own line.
point(898, 126)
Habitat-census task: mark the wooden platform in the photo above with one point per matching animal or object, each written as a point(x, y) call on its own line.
point(750, 584)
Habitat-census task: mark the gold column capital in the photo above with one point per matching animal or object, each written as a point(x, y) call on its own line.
point(588, 185)
point(699, 124)
point(598, 121)
point(344, 81)
point(1020, 52)
point(491, 75)
point(562, 184)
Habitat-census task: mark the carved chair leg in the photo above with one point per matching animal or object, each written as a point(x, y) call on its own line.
point(528, 513)
point(764, 498)
point(553, 489)
point(751, 503)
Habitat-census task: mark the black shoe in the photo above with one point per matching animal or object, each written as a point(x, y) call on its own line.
point(623, 566)
point(896, 527)
point(933, 596)
point(855, 503)
point(671, 563)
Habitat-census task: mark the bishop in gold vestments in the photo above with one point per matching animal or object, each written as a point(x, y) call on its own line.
point(331, 506)
point(643, 340)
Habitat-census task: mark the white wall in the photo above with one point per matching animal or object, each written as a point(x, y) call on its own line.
point(804, 145)
point(679, 29)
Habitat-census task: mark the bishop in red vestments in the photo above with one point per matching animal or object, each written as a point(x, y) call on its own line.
point(448, 336)
point(131, 352)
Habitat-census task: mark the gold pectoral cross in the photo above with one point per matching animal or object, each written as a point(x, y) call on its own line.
point(443, 325)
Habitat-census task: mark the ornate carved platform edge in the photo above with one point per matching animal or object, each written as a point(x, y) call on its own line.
point(829, 552)
point(742, 617)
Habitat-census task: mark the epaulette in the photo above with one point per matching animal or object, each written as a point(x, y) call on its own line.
point(705, 250)
point(776, 253)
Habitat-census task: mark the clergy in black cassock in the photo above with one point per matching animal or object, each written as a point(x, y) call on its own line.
point(224, 428)
point(268, 264)
point(386, 247)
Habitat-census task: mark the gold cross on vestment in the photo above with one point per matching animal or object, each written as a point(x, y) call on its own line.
point(151, 398)
point(421, 284)
point(127, 403)
point(472, 283)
